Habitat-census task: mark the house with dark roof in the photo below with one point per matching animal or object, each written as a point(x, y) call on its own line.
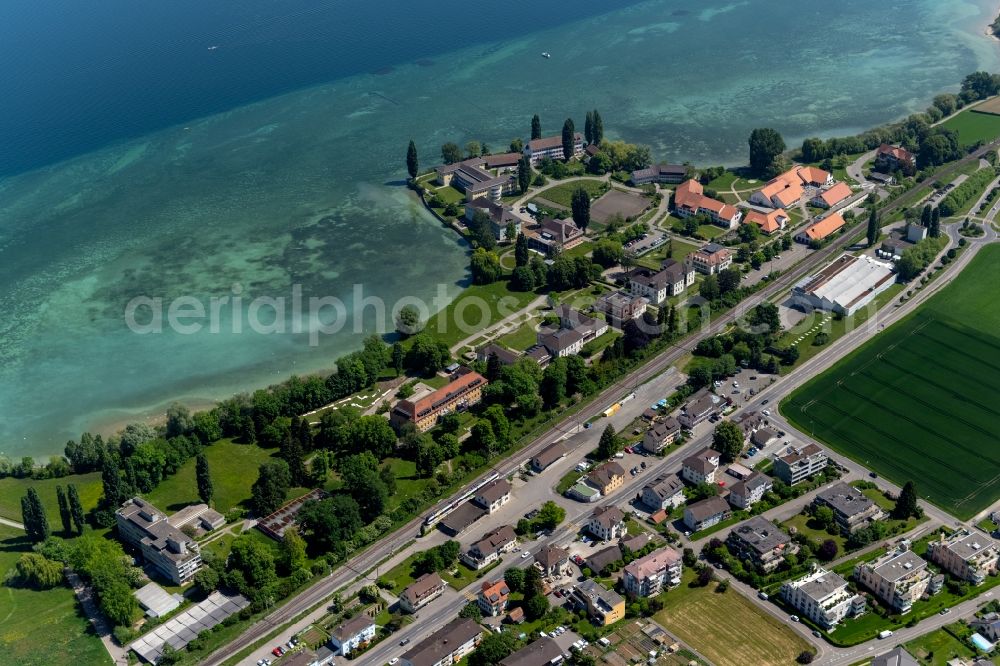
point(448, 645)
point(656, 286)
point(699, 408)
point(499, 216)
point(472, 177)
point(552, 560)
point(352, 635)
point(490, 547)
point(421, 592)
point(661, 435)
point(599, 560)
point(700, 467)
point(851, 508)
point(659, 173)
point(620, 307)
point(543, 652)
point(551, 147)
point(493, 495)
point(894, 158)
point(504, 355)
point(711, 259)
point(746, 492)
point(607, 523)
point(800, 463)
point(607, 477)
point(547, 456)
point(664, 492)
point(706, 513)
point(759, 542)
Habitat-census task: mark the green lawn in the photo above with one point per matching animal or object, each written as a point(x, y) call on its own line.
point(597, 346)
point(449, 194)
point(580, 250)
point(723, 182)
point(801, 523)
point(921, 400)
point(41, 627)
point(562, 194)
point(234, 469)
point(938, 647)
point(12, 490)
point(475, 308)
point(522, 337)
point(676, 249)
point(727, 628)
point(973, 127)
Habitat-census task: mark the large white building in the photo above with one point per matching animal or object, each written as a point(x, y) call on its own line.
point(898, 578)
point(171, 552)
point(845, 286)
point(970, 556)
point(649, 575)
point(823, 597)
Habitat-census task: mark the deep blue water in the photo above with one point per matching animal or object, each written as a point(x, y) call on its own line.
point(77, 75)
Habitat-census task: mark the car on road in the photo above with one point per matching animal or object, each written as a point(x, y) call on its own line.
point(393, 661)
point(587, 425)
point(524, 554)
point(874, 475)
point(817, 634)
point(794, 618)
point(945, 610)
point(762, 595)
point(765, 401)
point(404, 641)
point(766, 412)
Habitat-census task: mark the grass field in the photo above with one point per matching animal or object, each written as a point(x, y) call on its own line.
point(939, 647)
point(921, 400)
point(12, 490)
point(475, 308)
point(727, 628)
point(41, 627)
point(563, 194)
point(234, 469)
point(973, 126)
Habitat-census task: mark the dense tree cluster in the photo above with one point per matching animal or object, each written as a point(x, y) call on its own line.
point(619, 156)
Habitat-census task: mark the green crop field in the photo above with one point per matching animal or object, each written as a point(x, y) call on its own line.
point(973, 126)
point(921, 401)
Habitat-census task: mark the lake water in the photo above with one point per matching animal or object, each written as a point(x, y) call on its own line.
point(137, 161)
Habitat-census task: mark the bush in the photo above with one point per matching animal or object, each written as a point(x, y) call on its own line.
point(962, 194)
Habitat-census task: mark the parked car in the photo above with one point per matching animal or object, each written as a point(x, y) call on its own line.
point(762, 595)
point(794, 618)
point(393, 661)
point(277, 652)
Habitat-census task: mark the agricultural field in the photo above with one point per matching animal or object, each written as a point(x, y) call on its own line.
point(922, 399)
point(974, 126)
point(726, 627)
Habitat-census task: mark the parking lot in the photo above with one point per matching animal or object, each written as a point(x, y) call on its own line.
point(650, 242)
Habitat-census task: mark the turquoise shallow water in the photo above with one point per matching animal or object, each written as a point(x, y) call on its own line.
point(305, 189)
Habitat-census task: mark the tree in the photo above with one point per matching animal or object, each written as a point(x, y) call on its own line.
point(516, 145)
point(271, 487)
point(64, 511)
point(580, 204)
point(485, 266)
point(473, 148)
point(610, 444)
point(873, 227)
point(727, 439)
point(568, 139)
point(709, 288)
point(207, 579)
point(824, 516)
point(118, 603)
point(550, 515)
point(254, 560)
point(514, 578)
point(203, 475)
point(827, 550)
point(588, 127)
point(536, 607)
point(705, 576)
point(524, 174)
point(553, 386)
point(906, 503)
point(36, 523)
point(35, 571)
point(294, 549)
point(483, 439)
point(328, 523)
point(805, 657)
point(493, 649)
point(408, 320)
point(412, 164)
point(729, 280)
point(934, 231)
point(608, 253)
point(398, 358)
point(598, 128)
point(179, 421)
point(115, 490)
point(765, 145)
point(292, 453)
point(536, 127)
point(451, 153)
point(75, 508)
point(471, 611)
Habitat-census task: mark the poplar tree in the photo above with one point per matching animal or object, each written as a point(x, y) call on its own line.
point(588, 127)
point(598, 128)
point(64, 513)
point(523, 174)
point(568, 138)
point(521, 253)
point(36, 523)
point(536, 127)
point(580, 204)
point(203, 475)
point(76, 508)
point(873, 227)
point(412, 164)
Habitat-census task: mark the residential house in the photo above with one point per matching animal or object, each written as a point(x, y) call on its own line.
point(607, 523)
point(421, 592)
point(352, 635)
point(706, 513)
point(699, 408)
point(493, 598)
point(590, 328)
point(759, 543)
point(700, 467)
point(464, 390)
point(551, 147)
point(620, 307)
point(832, 196)
point(769, 222)
point(851, 508)
point(969, 556)
point(690, 199)
point(601, 559)
point(543, 652)
point(504, 355)
point(493, 495)
point(898, 657)
point(660, 173)
point(898, 578)
point(800, 463)
point(661, 435)
point(746, 492)
point(749, 423)
point(664, 492)
point(894, 158)
point(552, 561)
point(448, 645)
point(499, 216)
point(821, 230)
point(881, 178)
point(988, 625)
point(651, 574)
point(552, 235)
point(762, 437)
point(547, 456)
point(490, 547)
point(822, 597)
point(672, 279)
point(607, 477)
point(711, 258)
point(173, 554)
point(604, 606)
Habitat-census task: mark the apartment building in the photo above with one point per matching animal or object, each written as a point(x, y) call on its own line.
point(823, 597)
point(172, 553)
point(746, 492)
point(800, 463)
point(758, 542)
point(660, 173)
point(899, 578)
point(711, 259)
point(621, 308)
point(353, 635)
point(665, 492)
point(649, 575)
point(967, 555)
point(464, 390)
point(851, 509)
point(690, 199)
point(701, 466)
point(552, 148)
point(604, 606)
point(607, 478)
point(446, 646)
point(493, 598)
point(607, 523)
point(493, 495)
point(421, 592)
point(490, 547)
point(706, 513)
point(661, 435)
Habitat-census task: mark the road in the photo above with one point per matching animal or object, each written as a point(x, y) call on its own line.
point(373, 554)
